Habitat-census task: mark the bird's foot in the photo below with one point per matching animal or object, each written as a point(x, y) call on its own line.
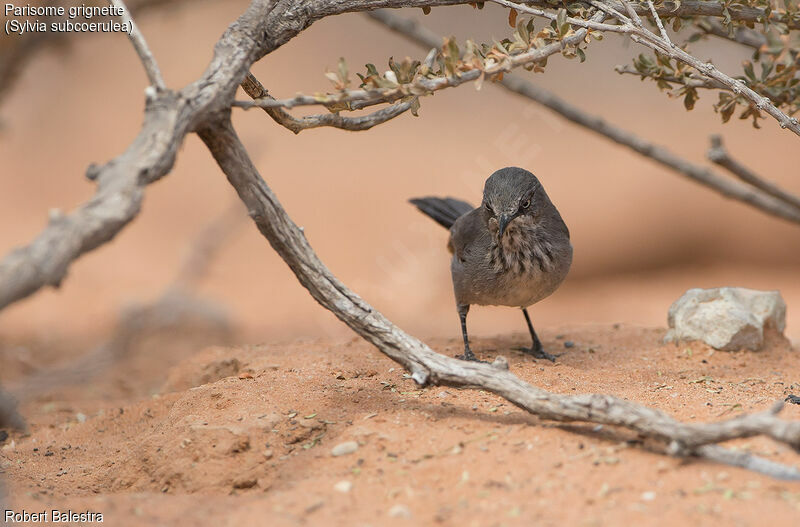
point(469, 356)
point(539, 353)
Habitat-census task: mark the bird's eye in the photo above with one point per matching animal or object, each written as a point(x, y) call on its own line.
point(526, 204)
point(489, 208)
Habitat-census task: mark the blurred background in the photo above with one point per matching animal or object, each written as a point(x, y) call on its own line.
point(642, 234)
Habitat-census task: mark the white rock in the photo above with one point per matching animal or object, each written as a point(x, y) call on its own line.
point(342, 449)
point(726, 318)
point(343, 486)
point(400, 511)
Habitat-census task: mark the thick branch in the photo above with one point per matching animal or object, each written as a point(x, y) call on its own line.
point(427, 38)
point(256, 90)
point(719, 155)
point(169, 116)
point(428, 367)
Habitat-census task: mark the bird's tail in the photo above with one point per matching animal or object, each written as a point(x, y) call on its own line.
point(444, 211)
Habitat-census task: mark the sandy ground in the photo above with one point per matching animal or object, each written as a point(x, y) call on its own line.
point(234, 435)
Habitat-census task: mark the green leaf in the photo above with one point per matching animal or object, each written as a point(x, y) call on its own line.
point(561, 22)
point(581, 54)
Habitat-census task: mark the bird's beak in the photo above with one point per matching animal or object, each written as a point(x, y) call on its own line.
point(502, 221)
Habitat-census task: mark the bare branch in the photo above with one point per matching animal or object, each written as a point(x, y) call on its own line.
point(741, 35)
point(425, 37)
point(719, 155)
point(658, 22)
point(256, 90)
point(428, 367)
point(140, 45)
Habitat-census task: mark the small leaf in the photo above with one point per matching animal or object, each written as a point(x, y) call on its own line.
point(512, 17)
point(426, 9)
point(690, 99)
point(581, 54)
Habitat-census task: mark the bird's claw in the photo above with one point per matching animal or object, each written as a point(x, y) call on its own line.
point(470, 357)
point(539, 354)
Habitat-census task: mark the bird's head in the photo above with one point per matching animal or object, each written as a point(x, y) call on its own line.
point(511, 193)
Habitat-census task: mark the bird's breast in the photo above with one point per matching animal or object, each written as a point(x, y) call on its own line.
point(522, 251)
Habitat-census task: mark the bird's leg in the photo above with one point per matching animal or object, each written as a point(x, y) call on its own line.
point(537, 350)
point(463, 309)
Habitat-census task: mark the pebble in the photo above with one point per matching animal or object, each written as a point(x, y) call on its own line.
point(343, 486)
point(342, 449)
point(400, 511)
point(648, 496)
point(569, 344)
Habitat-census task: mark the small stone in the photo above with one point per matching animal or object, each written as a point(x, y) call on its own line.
point(648, 496)
point(569, 344)
point(726, 318)
point(343, 486)
point(400, 511)
point(268, 453)
point(342, 449)
point(80, 417)
point(245, 483)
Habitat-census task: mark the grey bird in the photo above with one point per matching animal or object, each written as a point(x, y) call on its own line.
point(513, 250)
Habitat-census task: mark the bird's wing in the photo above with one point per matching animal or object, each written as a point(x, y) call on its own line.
point(465, 233)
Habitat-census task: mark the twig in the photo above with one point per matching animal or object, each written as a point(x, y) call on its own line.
point(719, 155)
point(256, 90)
point(430, 368)
point(644, 36)
point(140, 45)
point(660, 25)
point(692, 82)
point(425, 38)
point(741, 35)
point(424, 85)
point(579, 22)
